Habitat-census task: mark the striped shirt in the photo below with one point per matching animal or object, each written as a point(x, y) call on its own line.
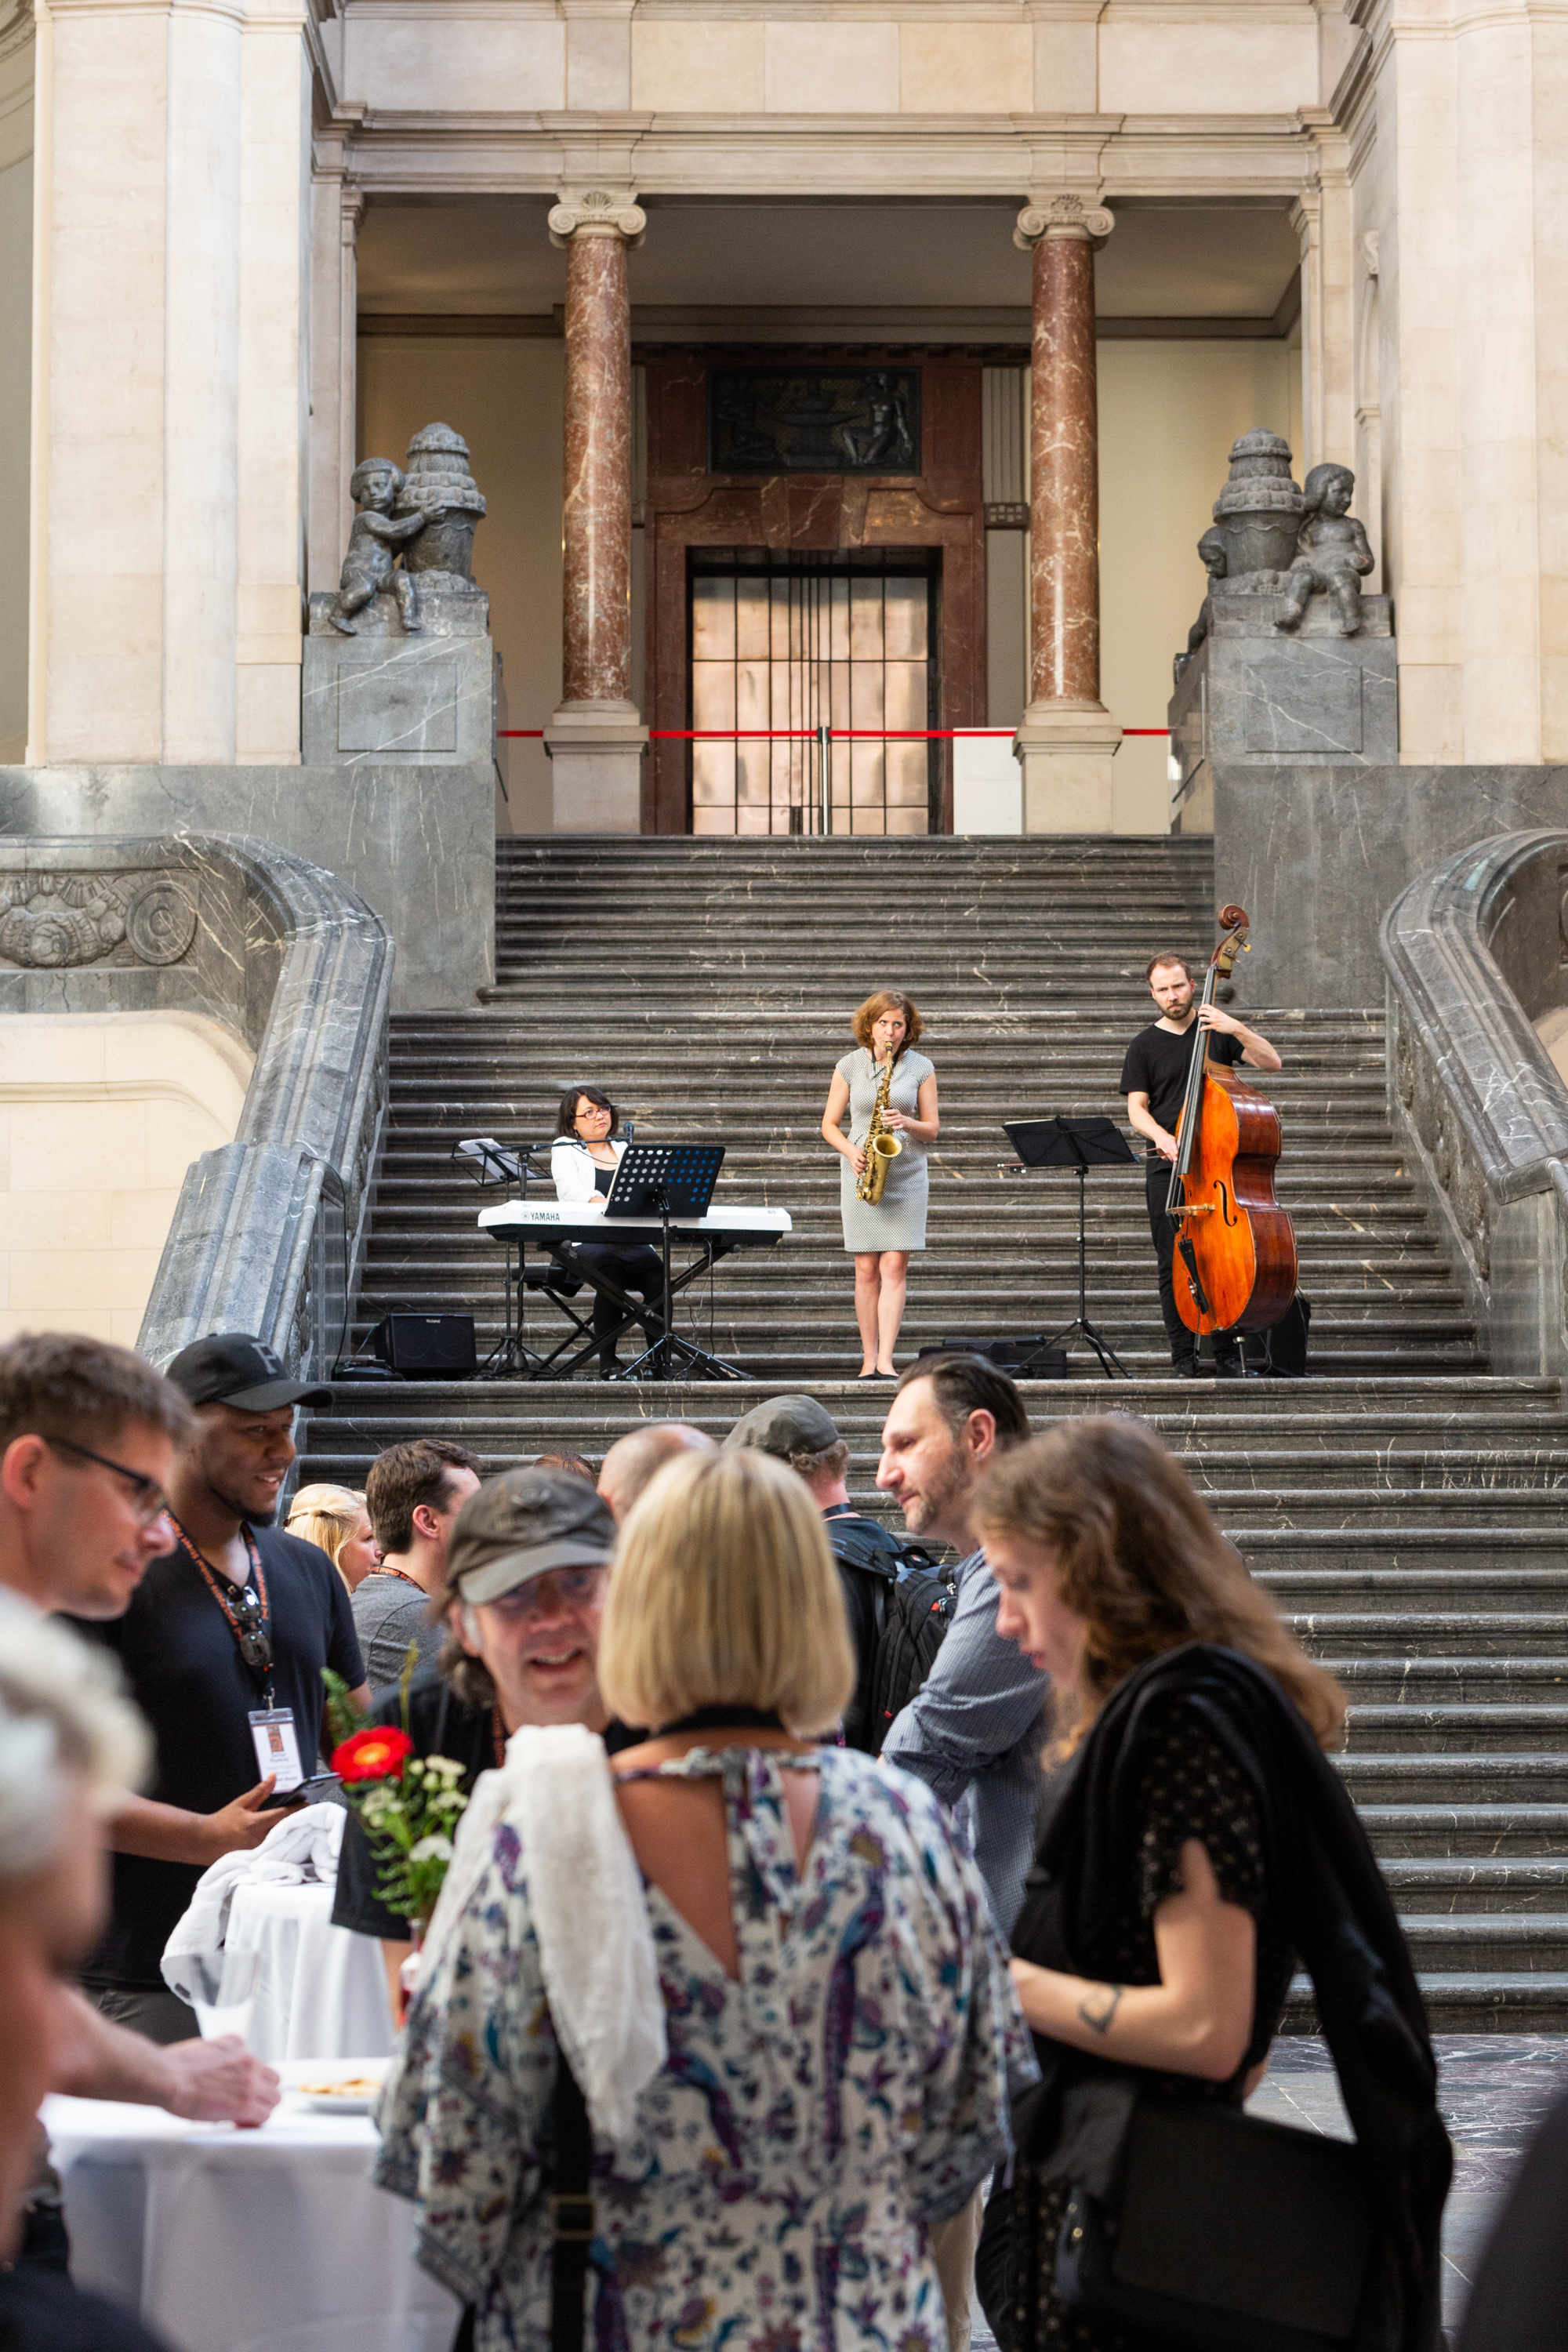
point(976, 1731)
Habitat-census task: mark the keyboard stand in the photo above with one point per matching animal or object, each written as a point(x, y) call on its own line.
point(669, 1351)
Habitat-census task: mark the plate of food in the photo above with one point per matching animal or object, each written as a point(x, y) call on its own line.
point(346, 2094)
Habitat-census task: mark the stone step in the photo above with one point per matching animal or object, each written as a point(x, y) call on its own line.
point(1386, 1641)
point(1456, 1776)
point(1475, 1941)
point(1516, 1883)
point(1491, 1684)
point(1475, 1835)
point(1420, 1727)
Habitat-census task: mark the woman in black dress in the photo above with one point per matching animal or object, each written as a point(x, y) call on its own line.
point(1195, 1842)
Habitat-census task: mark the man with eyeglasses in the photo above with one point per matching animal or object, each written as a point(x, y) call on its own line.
point(222, 1645)
point(87, 1439)
point(527, 1567)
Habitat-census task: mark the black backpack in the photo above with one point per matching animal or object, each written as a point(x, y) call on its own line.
point(913, 1614)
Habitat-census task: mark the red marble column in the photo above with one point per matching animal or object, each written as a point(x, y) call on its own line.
point(1064, 473)
point(597, 526)
point(1066, 738)
point(595, 740)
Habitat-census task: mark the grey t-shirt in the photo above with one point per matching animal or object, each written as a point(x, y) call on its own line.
point(389, 1613)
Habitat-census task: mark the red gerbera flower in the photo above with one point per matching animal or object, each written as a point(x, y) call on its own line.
point(377, 1753)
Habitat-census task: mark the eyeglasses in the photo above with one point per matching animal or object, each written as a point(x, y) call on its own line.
point(568, 1588)
point(149, 1501)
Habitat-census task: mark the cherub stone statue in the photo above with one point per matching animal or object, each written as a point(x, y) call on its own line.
point(1216, 563)
point(371, 564)
point(1333, 552)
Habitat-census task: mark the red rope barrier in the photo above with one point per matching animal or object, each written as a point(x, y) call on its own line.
point(808, 734)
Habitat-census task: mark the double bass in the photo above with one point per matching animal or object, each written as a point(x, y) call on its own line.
point(1235, 1263)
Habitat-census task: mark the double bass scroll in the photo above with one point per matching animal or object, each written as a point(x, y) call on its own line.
point(1235, 1263)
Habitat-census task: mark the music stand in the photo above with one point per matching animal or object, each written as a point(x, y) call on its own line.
point(666, 1180)
point(1083, 1144)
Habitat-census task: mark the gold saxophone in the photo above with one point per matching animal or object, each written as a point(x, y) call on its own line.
point(880, 1147)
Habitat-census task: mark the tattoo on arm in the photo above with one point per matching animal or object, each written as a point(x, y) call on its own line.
point(1099, 2006)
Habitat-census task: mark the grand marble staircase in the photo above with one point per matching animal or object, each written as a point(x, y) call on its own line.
point(1403, 1504)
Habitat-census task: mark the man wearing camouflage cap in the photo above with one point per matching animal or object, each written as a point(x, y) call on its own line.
point(527, 1566)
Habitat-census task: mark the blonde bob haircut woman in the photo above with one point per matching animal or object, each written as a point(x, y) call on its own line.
point(326, 1515)
point(724, 1593)
point(1140, 1559)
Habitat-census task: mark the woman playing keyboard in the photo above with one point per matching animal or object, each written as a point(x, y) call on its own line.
point(583, 1161)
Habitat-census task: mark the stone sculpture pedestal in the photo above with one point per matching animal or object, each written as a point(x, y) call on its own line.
point(390, 698)
point(1255, 696)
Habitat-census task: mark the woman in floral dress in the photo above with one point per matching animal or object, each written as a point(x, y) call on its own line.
point(838, 2032)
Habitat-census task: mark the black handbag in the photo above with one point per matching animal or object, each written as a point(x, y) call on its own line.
point(1226, 2234)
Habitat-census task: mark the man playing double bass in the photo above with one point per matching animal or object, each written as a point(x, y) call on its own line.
point(1154, 1081)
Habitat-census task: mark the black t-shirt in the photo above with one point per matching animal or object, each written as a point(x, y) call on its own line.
point(439, 1723)
point(603, 1180)
point(44, 2313)
point(183, 1664)
point(1157, 1063)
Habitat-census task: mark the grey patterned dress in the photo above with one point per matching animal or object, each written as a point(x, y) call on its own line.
point(898, 1220)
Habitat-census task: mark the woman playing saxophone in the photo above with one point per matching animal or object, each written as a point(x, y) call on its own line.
point(884, 1085)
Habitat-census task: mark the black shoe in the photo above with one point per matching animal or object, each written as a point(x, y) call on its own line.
point(1229, 1368)
point(1187, 1367)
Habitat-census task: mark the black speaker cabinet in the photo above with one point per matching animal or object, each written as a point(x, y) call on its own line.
point(427, 1347)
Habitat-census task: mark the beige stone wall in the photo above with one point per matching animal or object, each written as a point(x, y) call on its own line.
point(16, 401)
point(717, 58)
point(1168, 414)
point(99, 1118)
point(504, 396)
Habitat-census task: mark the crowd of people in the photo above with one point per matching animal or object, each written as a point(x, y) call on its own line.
point(839, 1934)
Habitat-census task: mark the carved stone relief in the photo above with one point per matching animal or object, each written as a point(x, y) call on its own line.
point(795, 420)
point(53, 922)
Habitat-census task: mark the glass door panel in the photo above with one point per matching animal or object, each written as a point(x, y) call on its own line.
point(782, 649)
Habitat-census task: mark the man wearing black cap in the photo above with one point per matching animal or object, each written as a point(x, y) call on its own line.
point(223, 1648)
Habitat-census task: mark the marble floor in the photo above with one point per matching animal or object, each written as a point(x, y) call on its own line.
point(1493, 2088)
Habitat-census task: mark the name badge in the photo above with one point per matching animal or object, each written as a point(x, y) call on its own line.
point(277, 1745)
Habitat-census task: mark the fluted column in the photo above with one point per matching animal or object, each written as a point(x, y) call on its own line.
point(1067, 739)
point(596, 739)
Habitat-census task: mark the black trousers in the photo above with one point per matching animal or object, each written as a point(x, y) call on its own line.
point(640, 1272)
point(1183, 1343)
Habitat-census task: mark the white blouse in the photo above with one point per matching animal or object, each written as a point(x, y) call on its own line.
point(573, 1168)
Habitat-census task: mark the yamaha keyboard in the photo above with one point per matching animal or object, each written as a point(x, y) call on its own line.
point(579, 1220)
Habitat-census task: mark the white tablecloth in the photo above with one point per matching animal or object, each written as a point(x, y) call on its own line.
point(320, 1990)
point(223, 2240)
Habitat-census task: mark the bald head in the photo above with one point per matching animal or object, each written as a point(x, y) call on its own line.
point(633, 1461)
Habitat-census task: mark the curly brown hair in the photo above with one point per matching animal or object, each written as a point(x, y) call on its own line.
point(1142, 1562)
point(886, 1000)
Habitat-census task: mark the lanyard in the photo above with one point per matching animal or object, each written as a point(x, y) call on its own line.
point(255, 1641)
point(402, 1575)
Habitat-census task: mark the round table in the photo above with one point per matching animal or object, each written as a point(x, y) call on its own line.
point(223, 2240)
point(320, 1990)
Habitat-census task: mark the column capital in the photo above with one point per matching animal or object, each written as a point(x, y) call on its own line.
point(597, 209)
point(1063, 215)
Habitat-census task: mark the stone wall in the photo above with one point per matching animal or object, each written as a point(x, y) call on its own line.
point(1475, 1100)
point(1318, 855)
point(418, 844)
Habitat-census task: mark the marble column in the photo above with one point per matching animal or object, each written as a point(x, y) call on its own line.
point(596, 739)
point(1067, 739)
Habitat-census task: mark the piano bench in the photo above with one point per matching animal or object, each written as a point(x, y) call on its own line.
point(551, 1278)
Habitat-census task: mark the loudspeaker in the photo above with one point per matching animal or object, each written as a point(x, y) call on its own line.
point(427, 1347)
point(1009, 1355)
